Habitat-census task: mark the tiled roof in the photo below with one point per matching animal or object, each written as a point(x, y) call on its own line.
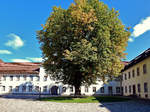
point(138, 59)
point(19, 68)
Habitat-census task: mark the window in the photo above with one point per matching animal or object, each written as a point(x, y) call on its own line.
point(11, 78)
point(110, 89)
point(145, 87)
point(125, 76)
point(138, 71)
point(102, 89)
point(10, 88)
point(139, 88)
point(125, 89)
point(129, 89)
point(37, 88)
point(122, 77)
point(4, 78)
point(133, 73)
point(3, 88)
point(144, 69)
point(64, 89)
point(45, 78)
point(45, 89)
point(18, 78)
point(122, 90)
point(71, 89)
point(129, 75)
point(24, 77)
point(117, 89)
point(17, 89)
point(23, 88)
point(86, 89)
point(30, 88)
point(94, 89)
point(37, 78)
point(146, 95)
point(31, 78)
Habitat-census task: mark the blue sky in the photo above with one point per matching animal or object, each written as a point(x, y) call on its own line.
point(20, 19)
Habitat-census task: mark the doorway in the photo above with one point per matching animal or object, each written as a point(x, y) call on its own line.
point(54, 90)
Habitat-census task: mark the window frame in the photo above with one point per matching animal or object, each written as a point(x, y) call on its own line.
point(130, 88)
point(64, 89)
point(145, 87)
point(94, 89)
point(86, 89)
point(45, 88)
point(24, 88)
point(11, 78)
point(71, 89)
point(125, 76)
point(102, 89)
point(133, 73)
point(129, 75)
point(17, 89)
point(10, 88)
point(144, 68)
point(138, 87)
point(118, 90)
point(126, 89)
point(138, 71)
point(30, 88)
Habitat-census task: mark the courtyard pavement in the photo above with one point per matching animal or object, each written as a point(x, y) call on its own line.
point(10, 104)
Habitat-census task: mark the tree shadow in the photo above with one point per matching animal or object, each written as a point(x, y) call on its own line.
point(123, 104)
point(34, 94)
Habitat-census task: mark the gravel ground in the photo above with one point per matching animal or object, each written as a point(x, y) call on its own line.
point(30, 105)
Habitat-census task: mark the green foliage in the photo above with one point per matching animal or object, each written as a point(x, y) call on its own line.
point(85, 42)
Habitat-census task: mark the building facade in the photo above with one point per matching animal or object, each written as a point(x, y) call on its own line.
point(30, 78)
point(136, 76)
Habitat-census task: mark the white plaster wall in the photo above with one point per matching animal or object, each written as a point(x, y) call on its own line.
point(49, 83)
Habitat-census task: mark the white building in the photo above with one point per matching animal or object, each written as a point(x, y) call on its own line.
point(30, 78)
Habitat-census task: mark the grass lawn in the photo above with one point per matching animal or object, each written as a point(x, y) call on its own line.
point(88, 99)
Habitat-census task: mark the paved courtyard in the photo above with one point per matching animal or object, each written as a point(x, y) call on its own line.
point(30, 105)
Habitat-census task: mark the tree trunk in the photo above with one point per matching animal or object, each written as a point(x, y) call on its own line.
point(77, 91)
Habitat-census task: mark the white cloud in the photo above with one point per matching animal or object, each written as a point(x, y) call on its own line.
point(27, 59)
point(5, 52)
point(34, 59)
point(130, 40)
point(20, 60)
point(142, 27)
point(16, 42)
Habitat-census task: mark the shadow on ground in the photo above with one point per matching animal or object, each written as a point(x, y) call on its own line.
point(25, 97)
point(134, 105)
point(112, 104)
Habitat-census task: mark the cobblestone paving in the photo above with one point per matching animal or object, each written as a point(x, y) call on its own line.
point(28, 105)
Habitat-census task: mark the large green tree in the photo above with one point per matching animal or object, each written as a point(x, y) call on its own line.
point(83, 43)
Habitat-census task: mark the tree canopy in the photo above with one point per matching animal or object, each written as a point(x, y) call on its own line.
point(83, 43)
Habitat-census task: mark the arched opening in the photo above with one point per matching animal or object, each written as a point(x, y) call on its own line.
point(54, 90)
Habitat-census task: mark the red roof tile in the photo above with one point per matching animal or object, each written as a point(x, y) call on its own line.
point(19, 68)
